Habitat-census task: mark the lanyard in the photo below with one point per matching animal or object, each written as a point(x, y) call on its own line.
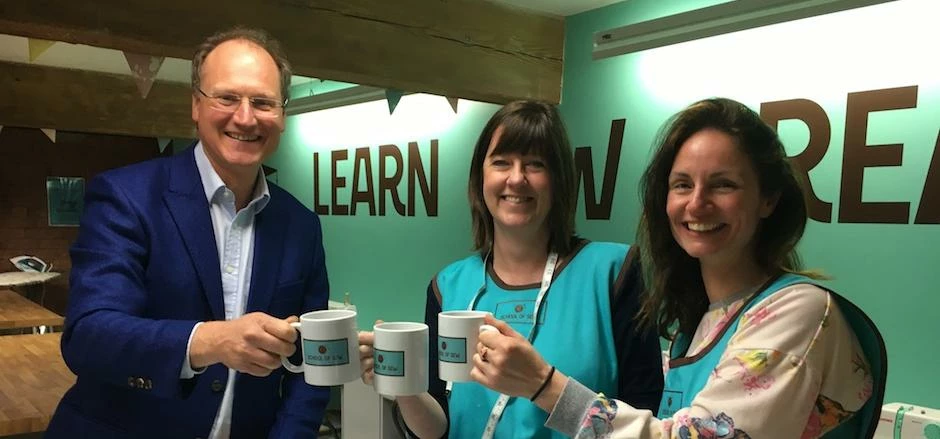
point(501, 402)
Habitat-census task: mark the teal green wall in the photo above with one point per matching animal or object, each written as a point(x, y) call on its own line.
point(386, 262)
point(891, 271)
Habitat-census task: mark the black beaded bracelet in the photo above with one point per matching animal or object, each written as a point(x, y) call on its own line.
point(544, 385)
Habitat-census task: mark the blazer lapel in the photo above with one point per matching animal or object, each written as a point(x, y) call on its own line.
point(186, 201)
point(270, 231)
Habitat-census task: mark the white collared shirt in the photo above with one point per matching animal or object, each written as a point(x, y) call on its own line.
point(235, 241)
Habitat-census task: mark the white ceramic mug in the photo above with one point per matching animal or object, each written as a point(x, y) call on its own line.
point(457, 335)
point(330, 346)
point(400, 358)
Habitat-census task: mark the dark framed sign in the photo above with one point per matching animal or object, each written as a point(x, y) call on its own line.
point(65, 197)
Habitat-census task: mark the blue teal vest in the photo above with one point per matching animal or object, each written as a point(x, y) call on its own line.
point(574, 334)
point(684, 381)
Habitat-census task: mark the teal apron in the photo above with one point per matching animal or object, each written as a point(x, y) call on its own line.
point(573, 333)
point(688, 375)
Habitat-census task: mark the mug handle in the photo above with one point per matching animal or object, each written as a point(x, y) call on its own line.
point(295, 368)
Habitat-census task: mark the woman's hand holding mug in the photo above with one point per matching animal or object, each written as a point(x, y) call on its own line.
point(507, 363)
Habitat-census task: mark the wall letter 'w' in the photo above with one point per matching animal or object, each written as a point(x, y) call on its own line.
point(585, 168)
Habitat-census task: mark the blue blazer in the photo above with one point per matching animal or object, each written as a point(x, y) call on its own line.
point(145, 270)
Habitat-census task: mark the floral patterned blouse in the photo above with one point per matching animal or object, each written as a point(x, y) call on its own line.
point(793, 369)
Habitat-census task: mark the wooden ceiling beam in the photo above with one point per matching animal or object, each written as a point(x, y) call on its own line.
point(76, 100)
point(470, 49)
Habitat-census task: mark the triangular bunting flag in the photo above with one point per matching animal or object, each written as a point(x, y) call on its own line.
point(269, 173)
point(162, 142)
point(183, 142)
point(49, 132)
point(37, 47)
point(393, 96)
point(453, 103)
point(144, 68)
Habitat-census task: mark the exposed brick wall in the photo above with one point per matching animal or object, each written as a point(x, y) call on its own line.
point(27, 157)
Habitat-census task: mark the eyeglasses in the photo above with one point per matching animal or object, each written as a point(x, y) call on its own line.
point(229, 102)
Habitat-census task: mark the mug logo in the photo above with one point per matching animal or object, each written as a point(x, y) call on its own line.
point(671, 399)
point(389, 363)
point(326, 352)
point(520, 313)
point(453, 349)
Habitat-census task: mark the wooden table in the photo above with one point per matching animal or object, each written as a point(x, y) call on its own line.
point(17, 311)
point(27, 280)
point(33, 378)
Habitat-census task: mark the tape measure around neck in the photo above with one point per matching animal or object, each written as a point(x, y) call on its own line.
point(497, 412)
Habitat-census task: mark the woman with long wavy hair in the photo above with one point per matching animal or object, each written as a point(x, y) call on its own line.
point(758, 347)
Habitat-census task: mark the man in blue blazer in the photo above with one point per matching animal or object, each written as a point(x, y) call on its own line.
point(188, 270)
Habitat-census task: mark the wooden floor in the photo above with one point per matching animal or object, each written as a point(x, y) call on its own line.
point(33, 378)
